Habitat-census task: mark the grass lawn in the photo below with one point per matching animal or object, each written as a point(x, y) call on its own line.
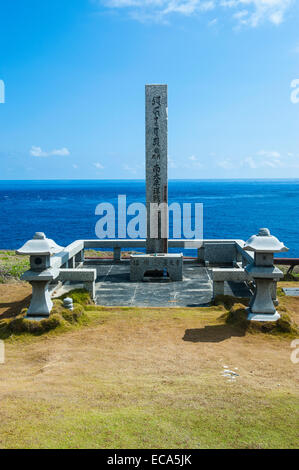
point(12, 266)
point(148, 378)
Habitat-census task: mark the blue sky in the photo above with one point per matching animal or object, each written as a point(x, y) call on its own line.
point(74, 75)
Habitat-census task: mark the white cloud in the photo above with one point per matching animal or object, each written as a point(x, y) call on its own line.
point(60, 152)
point(246, 12)
point(240, 14)
point(99, 166)
point(269, 154)
point(130, 169)
point(249, 161)
point(38, 152)
point(258, 11)
point(271, 159)
point(213, 22)
point(195, 162)
point(227, 164)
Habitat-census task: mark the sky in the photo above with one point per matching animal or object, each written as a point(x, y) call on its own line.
point(72, 77)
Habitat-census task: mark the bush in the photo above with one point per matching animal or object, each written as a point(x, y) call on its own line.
point(59, 317)
point(229, 301)
point(79, 296)
point(20, 325)
point(73, 316)
point(237, 316)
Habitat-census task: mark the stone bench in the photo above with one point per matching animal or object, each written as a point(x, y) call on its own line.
point(87, 276)
point(221, 275)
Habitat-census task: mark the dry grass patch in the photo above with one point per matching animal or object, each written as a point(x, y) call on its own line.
point(148, 378)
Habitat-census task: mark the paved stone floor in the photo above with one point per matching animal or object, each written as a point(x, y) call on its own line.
point(114, 288)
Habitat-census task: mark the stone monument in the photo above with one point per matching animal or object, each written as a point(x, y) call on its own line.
point(156, 136)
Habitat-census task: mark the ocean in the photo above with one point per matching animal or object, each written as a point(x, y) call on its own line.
point(65, 210)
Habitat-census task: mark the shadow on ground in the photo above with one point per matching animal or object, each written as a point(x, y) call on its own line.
point(14, 308)
point(212, 334)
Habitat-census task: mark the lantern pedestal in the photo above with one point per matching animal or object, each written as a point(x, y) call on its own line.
point(41, 303)
point(261, 307)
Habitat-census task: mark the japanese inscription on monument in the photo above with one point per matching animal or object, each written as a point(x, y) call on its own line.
point(156, 158)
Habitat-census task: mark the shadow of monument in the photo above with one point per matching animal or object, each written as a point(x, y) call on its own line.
point(212, 334)
point(239, 289)
point(202, 304)
point(14, 308)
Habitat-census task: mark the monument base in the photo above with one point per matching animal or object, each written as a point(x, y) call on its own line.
point(140, 264)
point(36, 318)
point(261, 317)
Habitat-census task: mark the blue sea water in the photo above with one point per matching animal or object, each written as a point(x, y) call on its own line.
point(65, 210)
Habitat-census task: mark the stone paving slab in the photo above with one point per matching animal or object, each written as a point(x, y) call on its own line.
point(114, 288)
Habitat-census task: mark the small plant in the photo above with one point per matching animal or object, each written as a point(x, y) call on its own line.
point(79, 296)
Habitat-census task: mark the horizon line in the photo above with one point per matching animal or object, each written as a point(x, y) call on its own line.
point(143, 179)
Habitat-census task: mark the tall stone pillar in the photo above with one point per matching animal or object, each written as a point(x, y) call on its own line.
point(156, 110)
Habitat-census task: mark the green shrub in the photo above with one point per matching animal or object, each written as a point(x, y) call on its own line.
point(21, 324)
point(237, 316)
point(228, 301)
point(286, 325)
point(280, 292)
point(79, 296)
point(75, 315)
point(59, 317)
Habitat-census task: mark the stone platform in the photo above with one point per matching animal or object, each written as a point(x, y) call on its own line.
point(114, 288)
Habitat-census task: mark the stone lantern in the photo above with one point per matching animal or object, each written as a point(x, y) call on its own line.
point(40, 249)
point(265, 275)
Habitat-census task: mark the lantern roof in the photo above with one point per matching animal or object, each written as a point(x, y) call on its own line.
point(264, 242)
point(40, 245)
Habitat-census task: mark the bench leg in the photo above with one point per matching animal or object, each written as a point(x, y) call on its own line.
point(116, 254)
point(201, 254)
point(90, 287)
point(79, 257)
